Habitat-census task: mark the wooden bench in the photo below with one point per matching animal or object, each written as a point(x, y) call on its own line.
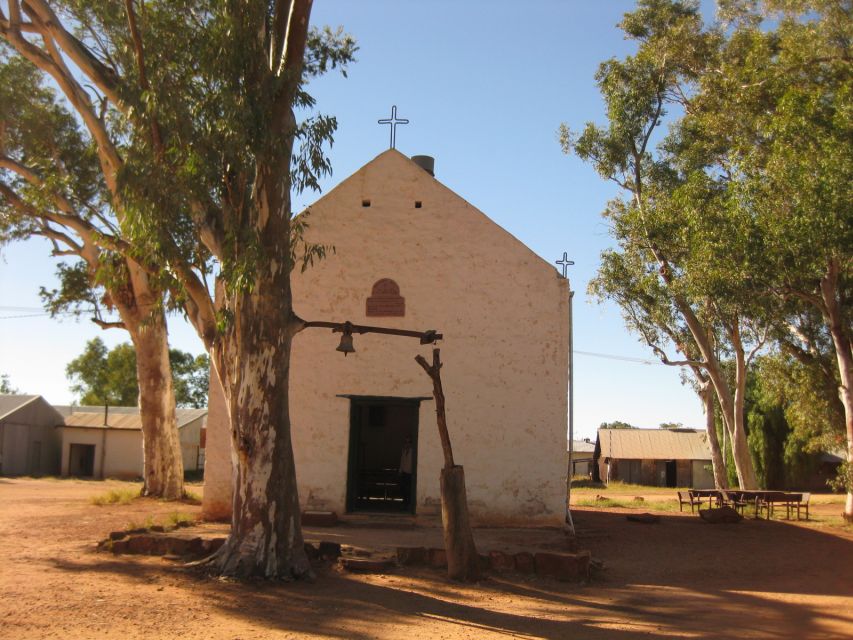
point(768, 500)
point(736, 499)
point(798, 501)
point(691, 500)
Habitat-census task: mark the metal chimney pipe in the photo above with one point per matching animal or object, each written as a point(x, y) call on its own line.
point(427, 163)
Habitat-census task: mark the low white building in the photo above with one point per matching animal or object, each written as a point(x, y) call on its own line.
point(108, 444)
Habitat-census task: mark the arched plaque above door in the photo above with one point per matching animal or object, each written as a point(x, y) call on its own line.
point(385, 300)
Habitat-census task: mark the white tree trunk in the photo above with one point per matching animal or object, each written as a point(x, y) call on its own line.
point(266, 530)
point(718, 463)
point(253, 360)
point(732, 419)
point(844, 356)
point(734, 426)
point(163, 467)
point(740, 447)
point(140, 309)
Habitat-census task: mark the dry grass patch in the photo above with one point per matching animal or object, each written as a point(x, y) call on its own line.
point(116, 496)
point(178, 519)
point(190, 497)
point(603, 502)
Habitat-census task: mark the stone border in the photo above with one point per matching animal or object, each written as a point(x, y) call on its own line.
point(565, 567)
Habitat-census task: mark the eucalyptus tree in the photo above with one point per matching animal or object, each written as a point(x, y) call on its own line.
point(790, 135)
point(649, 311)
point(194, 121)
point(51, 186)
point(776, 112)
point(676, 268)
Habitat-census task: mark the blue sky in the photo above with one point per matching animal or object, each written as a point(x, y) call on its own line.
point(485, 86)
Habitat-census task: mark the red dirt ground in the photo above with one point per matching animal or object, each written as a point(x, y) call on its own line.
point(678, 578)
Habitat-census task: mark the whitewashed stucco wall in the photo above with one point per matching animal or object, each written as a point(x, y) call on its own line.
point(76, 435)
point(118, 450)
point(122, 448)
point(504, 315)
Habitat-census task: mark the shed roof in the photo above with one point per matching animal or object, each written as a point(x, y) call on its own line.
point(653, 444)
point(10, 403)
point(583, 446)
point(94, 418)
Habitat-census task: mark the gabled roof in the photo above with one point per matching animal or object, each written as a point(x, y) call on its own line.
point(9, 404)
point(653, 444)
point(126, 418)
point(401, 164)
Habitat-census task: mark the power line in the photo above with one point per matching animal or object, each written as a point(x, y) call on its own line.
point(38, 315)
point(610, 356)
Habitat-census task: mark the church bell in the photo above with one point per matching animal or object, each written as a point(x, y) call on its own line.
point(345, 346)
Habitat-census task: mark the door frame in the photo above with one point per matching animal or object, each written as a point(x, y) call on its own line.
point(352, 456)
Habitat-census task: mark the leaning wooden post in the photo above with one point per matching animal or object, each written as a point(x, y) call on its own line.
point(463, 561)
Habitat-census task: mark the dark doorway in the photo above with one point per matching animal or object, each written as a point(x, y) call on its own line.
point(81, 460)
point(380, 428)
point(671, 474)
point(35, 459)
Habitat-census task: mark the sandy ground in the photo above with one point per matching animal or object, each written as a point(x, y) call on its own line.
point(678, 578)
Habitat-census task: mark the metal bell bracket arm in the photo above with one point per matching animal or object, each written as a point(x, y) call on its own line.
point(426, 337)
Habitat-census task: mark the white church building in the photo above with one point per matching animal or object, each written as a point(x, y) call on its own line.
point(412, 254)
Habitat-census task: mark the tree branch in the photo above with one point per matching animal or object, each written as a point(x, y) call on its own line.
point(762, 338)
point(103, 324)
point(68, 218)
point(281, 13)
point(156, 135)
point(57, 237)
point(199, 306)
point(293, 45)
point(51, 27)
point(51, 61)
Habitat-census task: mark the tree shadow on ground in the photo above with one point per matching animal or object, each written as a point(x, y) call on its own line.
point(343, 606)
point(635, 599)
point(752, 555)
point(678, 577)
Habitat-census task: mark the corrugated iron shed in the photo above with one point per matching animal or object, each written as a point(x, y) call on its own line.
point(11, 403)
point(654, 444)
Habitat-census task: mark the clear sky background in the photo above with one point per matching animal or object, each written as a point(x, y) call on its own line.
point(485, 85)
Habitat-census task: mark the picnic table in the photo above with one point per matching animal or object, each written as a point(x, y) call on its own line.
point(763, 501)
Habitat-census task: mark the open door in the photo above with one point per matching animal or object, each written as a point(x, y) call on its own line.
point(671, 474)
point(81, 460)
point(382, 474)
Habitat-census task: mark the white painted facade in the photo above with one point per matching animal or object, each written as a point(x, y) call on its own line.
point(504, 315)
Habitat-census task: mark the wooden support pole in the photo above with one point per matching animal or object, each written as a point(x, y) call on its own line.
point(434, 372)
point(463, 561)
